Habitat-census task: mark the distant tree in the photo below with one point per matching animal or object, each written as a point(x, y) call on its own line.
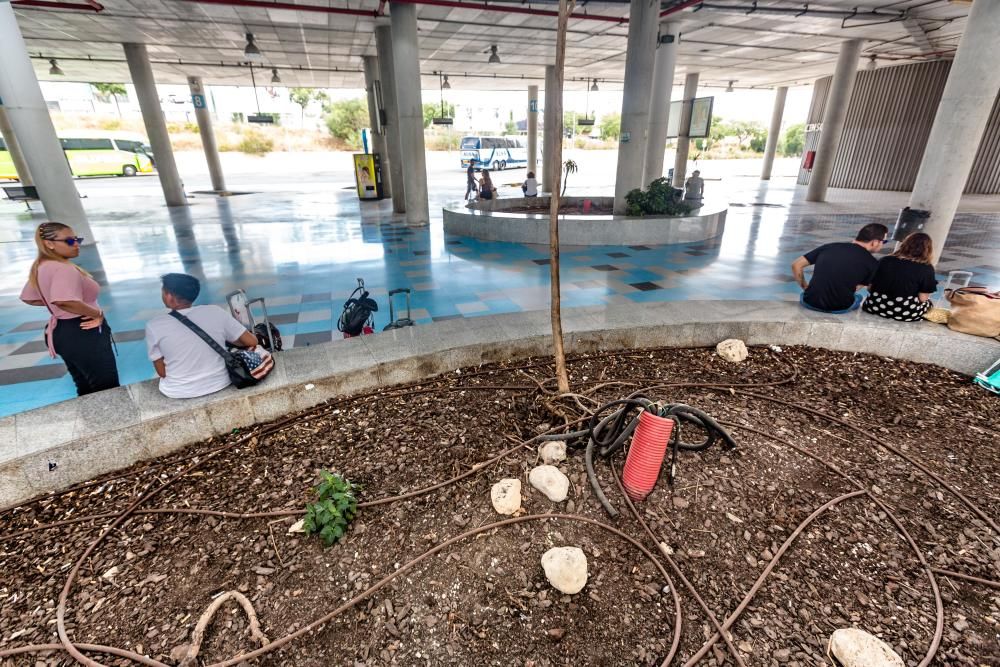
point(304, 97)
point(432, 111)
point(346, 119)
point(110, 89)
point(794, 140)
point(611, 126)
point(511, 127)
point(746, 130)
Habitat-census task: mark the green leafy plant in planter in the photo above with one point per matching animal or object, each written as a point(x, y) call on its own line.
point(659, 199)
point(335, 508)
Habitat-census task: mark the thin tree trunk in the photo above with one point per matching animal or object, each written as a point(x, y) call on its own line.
point(565, 9)
point(116, 105)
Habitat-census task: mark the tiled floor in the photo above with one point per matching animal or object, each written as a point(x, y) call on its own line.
point(303, 247)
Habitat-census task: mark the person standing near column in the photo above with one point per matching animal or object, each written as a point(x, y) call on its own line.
point(76, 330)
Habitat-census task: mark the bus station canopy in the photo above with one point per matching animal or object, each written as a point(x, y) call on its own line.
point(319, 43)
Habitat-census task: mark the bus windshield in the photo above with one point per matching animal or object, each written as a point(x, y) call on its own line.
point(470, 143)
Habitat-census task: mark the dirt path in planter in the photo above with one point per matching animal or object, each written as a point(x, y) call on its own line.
point(484, 599)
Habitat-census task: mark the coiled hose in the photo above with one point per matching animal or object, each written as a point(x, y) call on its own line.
point(608, 434)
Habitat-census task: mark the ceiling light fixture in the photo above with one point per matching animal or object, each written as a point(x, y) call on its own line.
point(443, 119)
point(593, 88)
point(729, 88)
point(274, 75)
point(251, 51)
point(494, 57)
point(55, 70)
point(871, 63)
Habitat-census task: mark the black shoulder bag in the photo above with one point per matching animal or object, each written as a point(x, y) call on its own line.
point(239, 374)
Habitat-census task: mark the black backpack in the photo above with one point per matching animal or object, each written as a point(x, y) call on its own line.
point(358, 311)
point(260, 331)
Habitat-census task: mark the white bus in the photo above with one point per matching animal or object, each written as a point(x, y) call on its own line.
point(495, 153)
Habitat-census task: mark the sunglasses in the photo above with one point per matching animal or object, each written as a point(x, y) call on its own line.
point(71, 240)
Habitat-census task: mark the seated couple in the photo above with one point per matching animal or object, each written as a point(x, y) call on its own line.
point(899, 285)
point(187, 365)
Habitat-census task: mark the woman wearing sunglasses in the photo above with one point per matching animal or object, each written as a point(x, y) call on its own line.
point(76, 331)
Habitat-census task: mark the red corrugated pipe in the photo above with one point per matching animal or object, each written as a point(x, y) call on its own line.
point(82, 6)
point(676, 8)
point(645, 455)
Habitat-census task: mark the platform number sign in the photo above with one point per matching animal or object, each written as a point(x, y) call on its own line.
point(533, 106)
point(198, 101)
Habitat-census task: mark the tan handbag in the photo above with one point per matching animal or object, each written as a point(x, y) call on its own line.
point(974, 311)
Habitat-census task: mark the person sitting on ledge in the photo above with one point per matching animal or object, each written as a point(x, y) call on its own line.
point(486, 189)
point(188, 367)
point(530, 185)
point(841, 270)
point(694, 188)
point(904, 281)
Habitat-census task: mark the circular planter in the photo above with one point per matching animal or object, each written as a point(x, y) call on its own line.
point(494, 221)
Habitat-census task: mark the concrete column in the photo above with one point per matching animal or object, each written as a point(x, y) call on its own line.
point(837, 101)
point(387, 81)
point(774, 132)
point(29, 117)
point(533, 129)
point(961, 118)
point(204, 118)
point(378, 137)
point(659, 103)
point(406, 65)
point(156, 126)
point(14, 149)
point(683, 130)
point(549, 134)
point(643, 22)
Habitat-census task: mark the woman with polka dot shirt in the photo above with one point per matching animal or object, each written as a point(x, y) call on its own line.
point(904, 281)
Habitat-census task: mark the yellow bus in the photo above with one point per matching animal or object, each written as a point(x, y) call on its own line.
point(93, 153)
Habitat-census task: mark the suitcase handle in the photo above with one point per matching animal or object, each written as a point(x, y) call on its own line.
point(401, 290)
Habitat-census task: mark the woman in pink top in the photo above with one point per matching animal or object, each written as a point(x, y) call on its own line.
point(76, 331)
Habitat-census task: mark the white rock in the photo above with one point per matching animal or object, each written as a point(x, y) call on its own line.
point(857, 648)
point(553, 452)
point(550, 481)
point(732, 349)
point(566, 569)
point(506, 496)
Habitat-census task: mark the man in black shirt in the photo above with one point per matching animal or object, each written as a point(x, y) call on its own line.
point(841, 269)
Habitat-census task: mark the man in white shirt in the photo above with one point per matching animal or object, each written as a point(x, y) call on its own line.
point(188, 367)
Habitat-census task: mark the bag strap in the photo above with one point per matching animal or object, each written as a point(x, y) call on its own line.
point(201, 334)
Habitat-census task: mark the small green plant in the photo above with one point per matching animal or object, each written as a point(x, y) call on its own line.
point(335, 508)
point(659, 199)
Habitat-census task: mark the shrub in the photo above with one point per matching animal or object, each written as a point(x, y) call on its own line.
point(659, 199)
point(346, 118)
point(334, 509)
point(255, 143)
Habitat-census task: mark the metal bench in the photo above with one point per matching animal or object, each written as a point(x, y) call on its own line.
point(25, 193)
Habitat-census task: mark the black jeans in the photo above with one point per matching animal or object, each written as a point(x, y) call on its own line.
point(87, 354)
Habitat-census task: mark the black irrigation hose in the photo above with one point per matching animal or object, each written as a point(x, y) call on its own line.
point(612, 431)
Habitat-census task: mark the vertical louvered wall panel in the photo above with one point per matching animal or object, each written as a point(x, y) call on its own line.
point(888, 122)
point(985, 175)
point(821, 91)
point(885, 133)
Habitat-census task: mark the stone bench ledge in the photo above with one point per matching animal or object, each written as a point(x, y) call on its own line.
point(99, 433)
